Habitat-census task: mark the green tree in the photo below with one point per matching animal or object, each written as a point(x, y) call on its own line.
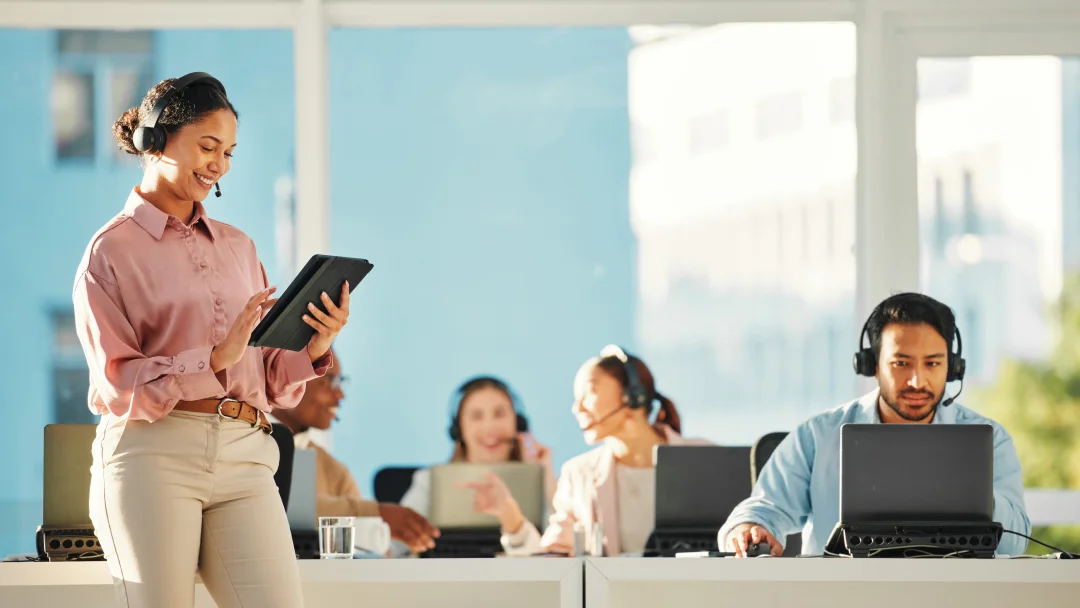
point(1039, 404)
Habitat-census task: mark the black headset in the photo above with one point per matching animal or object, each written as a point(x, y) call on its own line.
point(634, 394)
point(150, 137)
point(865, 362)
point(471, 384)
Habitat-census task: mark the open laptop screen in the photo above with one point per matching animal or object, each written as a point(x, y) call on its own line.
point(916, 473)
point(697, 486)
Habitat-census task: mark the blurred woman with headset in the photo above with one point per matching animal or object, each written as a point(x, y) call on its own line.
point(487, 426)
point(612, 485)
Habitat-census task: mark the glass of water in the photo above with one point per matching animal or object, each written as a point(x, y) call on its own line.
point(336, 536)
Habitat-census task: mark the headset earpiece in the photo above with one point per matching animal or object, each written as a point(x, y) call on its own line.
point(957, 365)
point(634, 394)
point(149, 140)
point(864, 362)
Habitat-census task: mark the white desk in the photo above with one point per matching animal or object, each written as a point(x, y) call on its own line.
point(831, 583)
point(521, 583)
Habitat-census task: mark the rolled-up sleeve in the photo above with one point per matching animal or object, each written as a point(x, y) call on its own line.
point(288, 372)
point(780, 502)
point(1009, 508)
point(126, 381)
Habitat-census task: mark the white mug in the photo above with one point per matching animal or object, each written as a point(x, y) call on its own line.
point(372, 535)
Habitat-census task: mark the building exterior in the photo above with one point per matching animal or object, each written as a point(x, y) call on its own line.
point(742, 201)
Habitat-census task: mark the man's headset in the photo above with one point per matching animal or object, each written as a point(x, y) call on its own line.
point(865, 362)
point(150, 137)
point(458, 398)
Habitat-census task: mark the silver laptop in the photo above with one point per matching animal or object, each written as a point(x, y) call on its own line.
point(66, 490)
point(301, 511)
point(452, 507)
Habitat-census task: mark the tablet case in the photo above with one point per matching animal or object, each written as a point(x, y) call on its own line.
point(283, 326)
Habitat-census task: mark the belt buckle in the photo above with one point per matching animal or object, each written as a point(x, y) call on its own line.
point(223, 415)
point(237, 417)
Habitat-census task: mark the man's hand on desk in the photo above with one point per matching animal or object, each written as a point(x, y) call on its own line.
point(409, 527)
point(744, 535)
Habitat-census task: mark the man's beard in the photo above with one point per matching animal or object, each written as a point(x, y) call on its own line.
point(895, 406)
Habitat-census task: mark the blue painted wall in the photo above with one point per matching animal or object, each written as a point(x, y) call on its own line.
point(485, 174)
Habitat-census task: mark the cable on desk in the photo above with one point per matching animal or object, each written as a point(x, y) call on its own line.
point(1064, 554)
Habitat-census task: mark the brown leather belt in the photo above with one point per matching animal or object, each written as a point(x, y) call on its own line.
point(228, 408)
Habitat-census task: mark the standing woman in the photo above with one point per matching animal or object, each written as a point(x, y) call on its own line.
point(165, 302)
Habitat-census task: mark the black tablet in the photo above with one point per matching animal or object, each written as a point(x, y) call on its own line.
point(283, 326)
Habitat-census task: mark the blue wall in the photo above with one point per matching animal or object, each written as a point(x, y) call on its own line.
point(484, 172)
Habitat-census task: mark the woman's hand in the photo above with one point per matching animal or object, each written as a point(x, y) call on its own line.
point(327, 324)
point(534, 451)
point(235, 344)
point(492, 497)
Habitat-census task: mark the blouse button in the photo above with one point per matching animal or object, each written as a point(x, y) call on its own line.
point(202, 264)
point(217, 301)
point(181, 368)
point(202, 365)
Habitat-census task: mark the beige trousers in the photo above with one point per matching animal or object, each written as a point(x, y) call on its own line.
point(192, 493)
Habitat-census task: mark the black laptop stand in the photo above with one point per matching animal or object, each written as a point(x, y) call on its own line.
point(916, 539)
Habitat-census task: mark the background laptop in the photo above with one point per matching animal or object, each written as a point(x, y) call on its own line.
point(302, 498)
point(66, 532)
point(452, 507)
point(303, 520)
point(697, 486)
point(66, 491)
point(916, 473)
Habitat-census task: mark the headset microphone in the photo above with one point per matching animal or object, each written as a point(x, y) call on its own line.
point(218, 187)
point(604, 418)
point(949, 401)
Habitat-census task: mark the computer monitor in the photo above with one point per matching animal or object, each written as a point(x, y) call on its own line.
point(452, 507)
point(697, 486)
point(916, 473)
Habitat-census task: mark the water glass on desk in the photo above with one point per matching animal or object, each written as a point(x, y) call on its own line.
point(589, 542)
point(336, 536)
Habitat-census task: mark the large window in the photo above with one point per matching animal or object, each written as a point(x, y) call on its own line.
point(64, 180)
point(98, 75)
point(746, 272)
point(529, 195)
point(999, 200)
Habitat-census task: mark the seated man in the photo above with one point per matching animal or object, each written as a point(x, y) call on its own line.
point(910, 354)
point(338, 494)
